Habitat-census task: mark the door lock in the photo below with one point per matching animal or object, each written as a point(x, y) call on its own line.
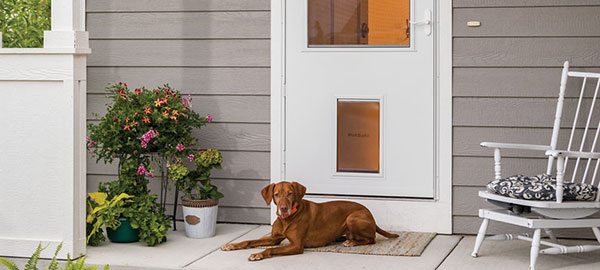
point(364, 29)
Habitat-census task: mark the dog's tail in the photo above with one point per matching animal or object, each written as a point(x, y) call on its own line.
point(386, 234)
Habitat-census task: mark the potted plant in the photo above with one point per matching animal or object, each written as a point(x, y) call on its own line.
point(201, 197)
point(138, 127)
point(111, 214)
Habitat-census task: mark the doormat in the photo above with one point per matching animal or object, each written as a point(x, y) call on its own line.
point(407, 244)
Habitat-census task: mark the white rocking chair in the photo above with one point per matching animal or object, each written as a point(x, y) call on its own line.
point(549, 215)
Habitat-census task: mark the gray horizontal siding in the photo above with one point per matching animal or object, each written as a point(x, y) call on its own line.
point(179, 53)
point(179, 25)
point(521, 3)
point(177, 5)
point(540, 21)
point(505, 82)
point(226, 109)
point(523, 82)
point(193, 80)
point(215, 50)
point(526, 52)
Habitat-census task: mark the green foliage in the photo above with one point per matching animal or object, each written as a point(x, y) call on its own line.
point(34, 259)
point(101, 211)
point(23, 22)
point(147, 216)
point(139, 125)
point(196, 184)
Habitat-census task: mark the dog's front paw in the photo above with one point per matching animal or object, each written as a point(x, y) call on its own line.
point(228, 247)
point(256, 257)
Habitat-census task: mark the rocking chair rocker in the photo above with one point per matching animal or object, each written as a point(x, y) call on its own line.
point(554, 214)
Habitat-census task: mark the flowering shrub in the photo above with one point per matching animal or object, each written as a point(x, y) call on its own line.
point(137, 125)
point(196, 184)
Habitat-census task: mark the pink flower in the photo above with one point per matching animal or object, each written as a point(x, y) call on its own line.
point(151, 175)
point(141, 170)
point(138, 91)
point(191, 157)
point(147, 137)
point(91, 144)
point(209, 118)
point(87, 138)
point(180, 147)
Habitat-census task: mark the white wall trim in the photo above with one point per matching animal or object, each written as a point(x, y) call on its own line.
point(425, 215)
point(45, 155)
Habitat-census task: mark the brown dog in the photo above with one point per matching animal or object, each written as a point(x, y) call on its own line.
point(308, 224)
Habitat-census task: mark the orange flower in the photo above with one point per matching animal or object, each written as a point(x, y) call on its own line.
point(146, 120)
point(126, 119)
point(157, 102)
point(134, 124)
point(174, 117)
point(175, 112)
point(165, 113)
point(126, 127)
point(168, 108)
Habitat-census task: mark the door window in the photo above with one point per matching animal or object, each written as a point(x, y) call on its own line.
point(362, 23)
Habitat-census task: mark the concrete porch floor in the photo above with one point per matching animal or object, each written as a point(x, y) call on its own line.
point(444, 252)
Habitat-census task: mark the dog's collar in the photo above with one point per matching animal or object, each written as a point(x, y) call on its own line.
point(294, 210)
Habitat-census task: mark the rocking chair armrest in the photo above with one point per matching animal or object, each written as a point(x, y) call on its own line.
point(564, 153)
point(516, 146)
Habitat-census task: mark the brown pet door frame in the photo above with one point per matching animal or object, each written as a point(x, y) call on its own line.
point(358, 136)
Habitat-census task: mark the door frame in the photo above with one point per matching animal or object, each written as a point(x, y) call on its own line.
point(390, 213)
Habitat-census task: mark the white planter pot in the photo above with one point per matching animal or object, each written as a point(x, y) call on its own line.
point(200, 217)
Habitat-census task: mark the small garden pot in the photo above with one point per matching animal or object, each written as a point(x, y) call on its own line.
point(200, 217)
point(124, 233)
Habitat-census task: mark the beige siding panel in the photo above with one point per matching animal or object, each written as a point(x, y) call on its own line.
point(231, 214)
point(248, 109)
point(232, 136)
point(470, 225)
point(519, 112)
point(528, 22)
point(478, 171)
point(209, 81)
point(466, 140)
point(179, 53)
point(236, 165)
point(526, 52)
point(176, 5)
point(179, 25)
point(242, 136)
point(516, 82)
point(237, 192)
point(521, 3)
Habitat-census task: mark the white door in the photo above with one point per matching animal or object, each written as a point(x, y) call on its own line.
point(360, 97)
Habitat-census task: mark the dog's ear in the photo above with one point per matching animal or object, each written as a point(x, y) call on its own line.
point(267, 193)
point(300, 190)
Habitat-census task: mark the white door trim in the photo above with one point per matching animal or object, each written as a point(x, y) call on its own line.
point(391, 213)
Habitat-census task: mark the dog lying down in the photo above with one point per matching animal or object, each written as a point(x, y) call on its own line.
point(309, 224)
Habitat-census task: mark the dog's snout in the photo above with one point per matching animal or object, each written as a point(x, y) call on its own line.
point(284, 209)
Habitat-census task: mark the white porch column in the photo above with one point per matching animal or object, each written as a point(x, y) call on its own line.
point(42, 139)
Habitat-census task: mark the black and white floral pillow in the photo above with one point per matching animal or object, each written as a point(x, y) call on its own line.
point(541, 188)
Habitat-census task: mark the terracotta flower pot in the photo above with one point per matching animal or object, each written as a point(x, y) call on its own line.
point(200, 217)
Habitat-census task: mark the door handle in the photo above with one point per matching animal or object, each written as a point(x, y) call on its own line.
point(426, 22)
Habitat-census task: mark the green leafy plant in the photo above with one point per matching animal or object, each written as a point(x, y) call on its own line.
point(138, 126)
point(23, 22)
point(196, 184)
point(34, 259)
point(103, 212)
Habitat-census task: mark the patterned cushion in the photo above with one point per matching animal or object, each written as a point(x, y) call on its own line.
point(540, 188)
